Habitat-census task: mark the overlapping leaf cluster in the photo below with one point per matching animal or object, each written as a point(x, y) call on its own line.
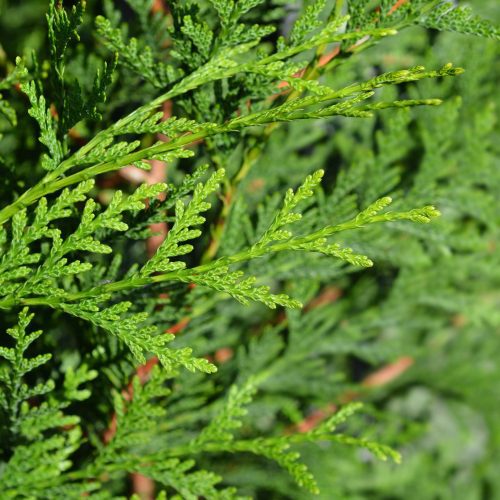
point(254, 106)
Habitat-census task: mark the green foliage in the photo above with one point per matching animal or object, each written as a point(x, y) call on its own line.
point(39, 459)
point(208, 332)
point(447, 16)
point(138, 59)
point(71, 105)
point(307, 22)
point(48, 127)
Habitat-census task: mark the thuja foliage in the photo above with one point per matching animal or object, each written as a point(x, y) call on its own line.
point(323, 236)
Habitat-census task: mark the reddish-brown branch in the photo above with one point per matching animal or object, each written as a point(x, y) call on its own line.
point(159, 6)
point(388, 373)
point(327, 296)
point(143, 486)
point(396, 6)
point(378, 378)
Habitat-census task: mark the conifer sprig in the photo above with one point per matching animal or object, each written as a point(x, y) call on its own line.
point(41, 457)
point(119, 157)
point(221, 436)
point(109, 314)
point(214, 275)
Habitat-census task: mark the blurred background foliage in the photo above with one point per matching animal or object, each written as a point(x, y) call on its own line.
point(417, 337)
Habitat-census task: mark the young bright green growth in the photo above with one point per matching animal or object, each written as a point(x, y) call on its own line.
point(188, 213)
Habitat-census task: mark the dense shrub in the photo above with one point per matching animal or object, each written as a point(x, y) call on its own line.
point(247, 247)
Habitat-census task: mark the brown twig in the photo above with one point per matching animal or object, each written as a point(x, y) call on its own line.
point(383, 376)
point(396, 6)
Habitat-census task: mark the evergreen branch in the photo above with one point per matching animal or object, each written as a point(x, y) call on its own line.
point(137, 422)
point(39, 461)
point(215, 274)
point(48, 127)
point(219, 436)
point(314, 69)
point(449, 17)
point(293, 110)
point(73, 246)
